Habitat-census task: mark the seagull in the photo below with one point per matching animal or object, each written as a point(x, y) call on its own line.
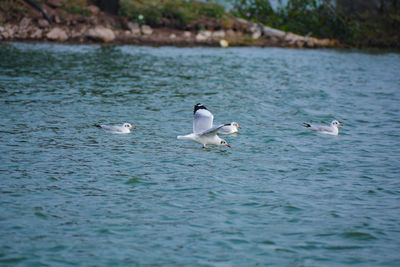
point(332, 129)
point(116, 129)
point(203, 130)
point(229, 128)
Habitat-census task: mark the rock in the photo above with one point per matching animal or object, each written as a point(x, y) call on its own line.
point(10, 31)
point(242, 21)
point(218, 34)
point(36, 34)
point(323, 42)
point(203, 36)
point(57, 34)
point(43, 23)
point(100, 33)
point(146, 30)
point(172, 36)
point(93, 9)
point(223, 43)
point(310, 42)
point(256, 35)
point(57, 19)
point(273, 33)
point(300, 43)
point(187, 34)
point(75, 33)
point(5, 35)
point(55, 3)
point(25, 22)
point(134, 28)
point(255, 31)
point(230, 33)
point(292, 38)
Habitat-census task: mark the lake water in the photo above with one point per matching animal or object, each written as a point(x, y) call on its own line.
point(72, 194)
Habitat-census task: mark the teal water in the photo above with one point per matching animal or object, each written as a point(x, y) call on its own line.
point(73, 195)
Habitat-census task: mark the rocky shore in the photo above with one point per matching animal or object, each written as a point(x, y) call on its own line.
point(99, 27)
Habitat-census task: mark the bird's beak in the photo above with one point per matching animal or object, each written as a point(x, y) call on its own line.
point(133, 127)
point(340, 124)
point(240, 127)
point(228, 145)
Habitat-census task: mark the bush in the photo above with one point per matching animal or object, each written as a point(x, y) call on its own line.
point(175, 13)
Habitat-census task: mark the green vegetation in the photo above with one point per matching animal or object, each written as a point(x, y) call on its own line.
point(8, 6)
point(352, 22)
point(173, 13)
point(77, 7)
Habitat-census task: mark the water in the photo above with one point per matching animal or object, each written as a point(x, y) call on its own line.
point(72, 194)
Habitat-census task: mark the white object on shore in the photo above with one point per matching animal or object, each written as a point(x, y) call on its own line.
point(223, 43)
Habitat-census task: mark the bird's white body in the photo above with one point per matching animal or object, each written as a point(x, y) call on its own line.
point(203, 138)
point(332, 129)
point(229, 128)
point(203, 131)
point(116, 129)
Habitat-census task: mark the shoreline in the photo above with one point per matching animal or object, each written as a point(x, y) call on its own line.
point(98, 27)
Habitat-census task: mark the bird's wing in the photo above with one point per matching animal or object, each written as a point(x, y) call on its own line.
point(211, 131)
point(111, 128)
point(226, 128)
point(319, 128)
point(202, 120)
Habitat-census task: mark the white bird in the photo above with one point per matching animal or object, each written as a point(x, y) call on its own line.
point(229, 128)
point(203, 131)
point(332, 129)
point(116, 129)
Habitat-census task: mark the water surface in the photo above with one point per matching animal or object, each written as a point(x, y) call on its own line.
point(72, 194)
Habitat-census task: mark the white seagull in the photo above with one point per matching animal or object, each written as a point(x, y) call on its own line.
point(203, 131)
point(116, 129)
point(332, 129)
point(229, 128)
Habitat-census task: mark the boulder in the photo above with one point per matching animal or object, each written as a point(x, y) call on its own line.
point(255, 31)
point(273, 33)
point(323, 43)
point(57, 34)
point(43, 23)
point(187, 34)
point(218, 34)
point(146, 30)
point(134, 28)
point(36, 34)
point(55, 3)
point(25, 22)
point(203, 36)
point(100, 33)
point(293, 39)
point(94, 10)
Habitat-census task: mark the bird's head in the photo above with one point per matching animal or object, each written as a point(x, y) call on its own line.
point(235, 124)
point(336, 123)
point(224, 143)
point(128, 125)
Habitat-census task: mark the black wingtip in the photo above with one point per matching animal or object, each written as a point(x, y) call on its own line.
point(97, 125)
point(306, 125)
point(198, 106)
